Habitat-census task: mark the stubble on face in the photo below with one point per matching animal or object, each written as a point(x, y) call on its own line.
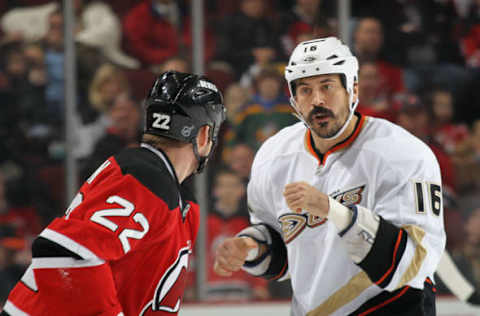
point(327, 128)
point(326, 112)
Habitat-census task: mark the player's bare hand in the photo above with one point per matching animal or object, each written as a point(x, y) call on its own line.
point(231, 254)
point(301, 195)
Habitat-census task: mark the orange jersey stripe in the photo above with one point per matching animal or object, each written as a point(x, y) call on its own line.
point(337, 147)
point(399, 239)
point(374, 308)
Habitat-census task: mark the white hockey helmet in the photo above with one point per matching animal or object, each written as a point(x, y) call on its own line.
point(320, 57)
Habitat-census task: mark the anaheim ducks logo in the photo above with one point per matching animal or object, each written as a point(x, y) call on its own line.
point(293, 223)
point(350, 197)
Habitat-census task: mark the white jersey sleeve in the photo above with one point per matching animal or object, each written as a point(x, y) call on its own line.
point(265, 227)
point(410, 238)
point(260, 198)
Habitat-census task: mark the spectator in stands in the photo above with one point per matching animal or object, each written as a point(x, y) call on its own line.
point(467, 258)
point(414, 116)
point(469, 98)
point(239, 158)
point(240, 34)
point(368, 43)
point(416, 32)
point(267, 112)
point(445, 132)
point(54, 63)
point(21, 83)
point(228, 217)
point(108, 83)
point(298, 21)
point(97, 27)
point(24, 103)
point(263, 58)
point(471, 40)
point(23, 219)
point(176, 63)
point(467, 161)
point(151, 31)
point(123, 131)
point(236, 98)
point(374, 101)
point(11, 268)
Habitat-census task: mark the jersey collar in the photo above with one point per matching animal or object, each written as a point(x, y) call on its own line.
point(171, 170)
point(341, 145)
point(164, 158)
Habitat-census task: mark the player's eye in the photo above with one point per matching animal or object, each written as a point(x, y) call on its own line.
point(305, 90)
point(327, 87)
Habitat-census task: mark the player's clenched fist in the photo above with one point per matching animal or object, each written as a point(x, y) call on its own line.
point(301, 195)
point(232, 253)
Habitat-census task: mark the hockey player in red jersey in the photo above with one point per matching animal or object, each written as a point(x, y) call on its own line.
point(122, 247)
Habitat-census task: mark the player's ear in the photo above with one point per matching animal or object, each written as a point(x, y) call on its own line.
point(203, 140)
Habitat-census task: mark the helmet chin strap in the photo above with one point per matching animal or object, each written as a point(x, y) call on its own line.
point(202, 160)
point(340, 131)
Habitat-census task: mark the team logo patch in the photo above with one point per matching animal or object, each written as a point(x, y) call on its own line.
point(350, 197)
point(293, 224)
point(169, 292)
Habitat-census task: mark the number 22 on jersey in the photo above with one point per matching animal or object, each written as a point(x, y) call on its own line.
point(125, 210)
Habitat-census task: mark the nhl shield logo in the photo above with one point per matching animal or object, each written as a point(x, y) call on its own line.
point(187, 131)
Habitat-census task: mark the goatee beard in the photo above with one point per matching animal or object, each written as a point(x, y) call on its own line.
point(323, 112)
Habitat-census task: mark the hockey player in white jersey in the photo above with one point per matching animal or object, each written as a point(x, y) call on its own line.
point(349, 207)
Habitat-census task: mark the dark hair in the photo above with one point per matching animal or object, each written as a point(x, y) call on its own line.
point(162, 142)
point(224, 169)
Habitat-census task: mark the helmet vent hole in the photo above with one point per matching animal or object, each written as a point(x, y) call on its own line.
point(293, 64)
point(332, 57)
point(338, 63)
point(303, 71)
point(317, 69)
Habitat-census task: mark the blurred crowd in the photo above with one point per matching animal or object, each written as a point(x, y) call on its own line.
point(419, 67)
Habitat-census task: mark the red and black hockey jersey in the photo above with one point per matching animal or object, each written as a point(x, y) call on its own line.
point(122, 247)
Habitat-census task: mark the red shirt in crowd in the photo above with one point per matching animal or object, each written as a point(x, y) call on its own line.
point(150, 38)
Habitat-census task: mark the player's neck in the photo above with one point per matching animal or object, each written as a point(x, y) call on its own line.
point(323, 145)
point(183, 161)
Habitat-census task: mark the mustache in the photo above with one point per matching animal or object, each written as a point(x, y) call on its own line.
point(320, 111)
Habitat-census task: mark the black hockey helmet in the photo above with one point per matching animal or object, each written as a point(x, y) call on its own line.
point(179, 104)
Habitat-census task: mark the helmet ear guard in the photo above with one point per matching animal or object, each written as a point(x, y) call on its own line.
point(179, 104)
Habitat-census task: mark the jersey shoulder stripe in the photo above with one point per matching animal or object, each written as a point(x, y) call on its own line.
point(45, 248)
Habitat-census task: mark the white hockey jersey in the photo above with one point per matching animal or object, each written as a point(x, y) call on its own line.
point(380, 167)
